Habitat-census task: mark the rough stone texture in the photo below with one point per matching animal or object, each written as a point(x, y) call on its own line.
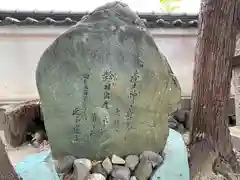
point(107, 165)
point(103, 84)
point(18, 118)
point(121, 172)
point(132, 161)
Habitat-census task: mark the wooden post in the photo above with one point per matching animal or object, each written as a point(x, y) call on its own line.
point(210, 137)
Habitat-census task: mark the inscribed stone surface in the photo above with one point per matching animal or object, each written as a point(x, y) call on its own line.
point(105, 88)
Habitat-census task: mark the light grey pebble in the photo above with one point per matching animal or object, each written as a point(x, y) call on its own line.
point(143, 170)
point(107, 165)
point(133, 178)
point(121, 172)
point(132, 161)
point(155, 158)
point(80, 171)
point(65, 164)
point(117, 160)
point(85, 161)
point(95, 176)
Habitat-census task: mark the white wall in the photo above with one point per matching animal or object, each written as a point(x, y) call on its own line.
point(21, 48)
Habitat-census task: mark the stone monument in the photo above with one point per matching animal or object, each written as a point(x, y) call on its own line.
point(105, 88)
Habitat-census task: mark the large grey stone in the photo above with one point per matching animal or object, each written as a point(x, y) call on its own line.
point(105, 88)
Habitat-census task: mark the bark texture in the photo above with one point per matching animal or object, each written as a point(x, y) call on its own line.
point(210, 136)
point(7, 171)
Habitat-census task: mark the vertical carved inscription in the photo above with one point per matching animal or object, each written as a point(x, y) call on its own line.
point(80, 113)
point(132, 95)
point(117, 121)
point(94, 122)
point(109, 79)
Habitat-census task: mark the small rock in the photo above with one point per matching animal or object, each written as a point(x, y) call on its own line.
point(117, 160)
point(85, 162)
point(121, 172)
point(98, 168)
point(132, 161)
point(65, 164)
point(107, 165)
point(133, 178)
point(143, 170)
point(80, 171)
point(181, 129)
point(172, 123)
point(152, 157)
point(95, 176)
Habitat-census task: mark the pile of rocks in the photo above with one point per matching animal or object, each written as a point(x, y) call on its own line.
point(133, 167)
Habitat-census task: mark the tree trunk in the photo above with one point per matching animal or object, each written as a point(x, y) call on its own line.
point(210, 136)
point(7, 171)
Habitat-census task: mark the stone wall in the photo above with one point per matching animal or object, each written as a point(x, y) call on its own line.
point(21, 48)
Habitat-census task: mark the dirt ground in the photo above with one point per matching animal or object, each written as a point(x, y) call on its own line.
point(17, 154)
